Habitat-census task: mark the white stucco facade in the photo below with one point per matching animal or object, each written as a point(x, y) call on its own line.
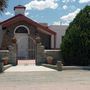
point(60, 31)
point(19, 11)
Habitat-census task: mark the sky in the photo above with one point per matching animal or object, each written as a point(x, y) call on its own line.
point(53, 12)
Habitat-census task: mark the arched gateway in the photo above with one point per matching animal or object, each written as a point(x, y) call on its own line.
point(25, 43)
point(26, 30)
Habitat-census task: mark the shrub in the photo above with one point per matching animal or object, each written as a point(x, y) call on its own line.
point(75, 45)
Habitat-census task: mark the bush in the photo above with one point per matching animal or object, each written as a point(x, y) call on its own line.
point(75, 45)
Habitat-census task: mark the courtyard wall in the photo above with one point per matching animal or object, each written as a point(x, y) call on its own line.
point(56, 54)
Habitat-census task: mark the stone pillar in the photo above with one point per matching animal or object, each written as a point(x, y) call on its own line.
point(12, 52)
point(59, 65)
point(40, 55)
point(1, 65)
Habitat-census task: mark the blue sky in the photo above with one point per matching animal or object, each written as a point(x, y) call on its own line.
point(49, 11)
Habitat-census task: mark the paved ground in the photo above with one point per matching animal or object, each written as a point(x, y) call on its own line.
point(46, 80)
point(30, 77)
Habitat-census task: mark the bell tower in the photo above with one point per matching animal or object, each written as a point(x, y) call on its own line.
point(19, 9)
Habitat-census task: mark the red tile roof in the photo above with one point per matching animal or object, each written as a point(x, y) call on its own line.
point(20, 17)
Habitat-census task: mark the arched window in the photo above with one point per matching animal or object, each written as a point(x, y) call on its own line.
point(21, 30)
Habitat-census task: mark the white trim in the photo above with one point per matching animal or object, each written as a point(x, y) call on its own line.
point(51, 50)
point(22, 26)
point(52, 41)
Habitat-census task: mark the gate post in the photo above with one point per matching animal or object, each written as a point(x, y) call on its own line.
point(1, 65)
point(12, 52)
point(40, 56)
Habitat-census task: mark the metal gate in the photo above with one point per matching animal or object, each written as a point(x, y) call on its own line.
point(26, 47)
point(32, 48)
point(22, 45)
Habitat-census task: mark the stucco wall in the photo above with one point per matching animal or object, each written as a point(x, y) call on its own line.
point(56, 54)
point(19, 11)
point(60, 30)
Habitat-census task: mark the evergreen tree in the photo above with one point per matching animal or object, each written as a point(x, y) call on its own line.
point(75, 45)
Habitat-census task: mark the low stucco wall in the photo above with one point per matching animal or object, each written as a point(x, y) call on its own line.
point(56, 54)
point(9, 55)
point(4, 53)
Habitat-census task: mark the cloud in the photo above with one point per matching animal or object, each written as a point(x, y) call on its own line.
point(60, 23)
point(65, 7)
point(56, 23)
point(72, 8)
point(42, 4)
point(69, 17)
point(66, 1)
point(8, 13)
point(84, 1)
point(26, 13)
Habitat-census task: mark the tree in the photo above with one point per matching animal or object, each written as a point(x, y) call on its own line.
point(3, 5)
point(75, 45)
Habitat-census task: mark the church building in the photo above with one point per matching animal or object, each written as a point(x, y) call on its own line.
point(25, 31)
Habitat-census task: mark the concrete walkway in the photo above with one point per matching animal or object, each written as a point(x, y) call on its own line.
point(27, 68)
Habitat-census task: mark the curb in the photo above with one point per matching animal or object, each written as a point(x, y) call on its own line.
point(67, 67)
point(7, 66)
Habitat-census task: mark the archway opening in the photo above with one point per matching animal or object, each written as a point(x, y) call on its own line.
point(25, 45)
point(21, 34)
point(21, 30)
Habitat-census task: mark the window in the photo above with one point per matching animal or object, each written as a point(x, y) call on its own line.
point(21, 30)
